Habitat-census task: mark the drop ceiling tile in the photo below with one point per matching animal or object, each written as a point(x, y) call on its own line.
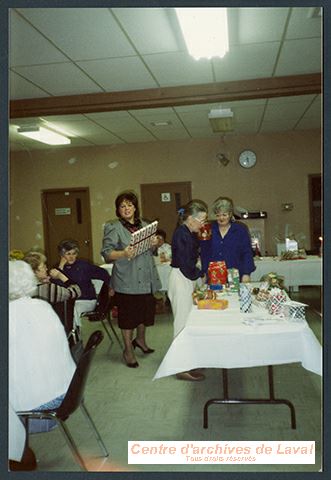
point(306, 99)
point(179, 69)
point(79, 142)
point(27, 46)
point(257, 25)
point(111, 116)
point(206, 107)
point(148, 120)
point(308, 123)
point(121, 124)
point(20, 88)
point(105, 138)
point(307, 50)
point(315, 109)
point(195, 118)
point(247, 115)
point(82, 33)
point(276, 126)
point(76, 117)
point(132, 137)
point(301, 26)
point(119, 74)
point(196, 132)
point(171, 134)
point(151, 112)
point(289, 111)
point(143, 26)
point(59, 79)
point(83, 128)
point(246, 128)
point(246, 62)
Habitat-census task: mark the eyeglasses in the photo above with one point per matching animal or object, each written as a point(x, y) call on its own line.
point(201, 221)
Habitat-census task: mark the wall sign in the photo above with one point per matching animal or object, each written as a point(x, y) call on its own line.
point(63, 211)
point(165, 197)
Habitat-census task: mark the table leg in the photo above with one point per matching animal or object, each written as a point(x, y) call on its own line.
point(248, 401)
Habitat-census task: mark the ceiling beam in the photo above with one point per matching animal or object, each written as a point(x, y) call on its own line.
point(168, 97)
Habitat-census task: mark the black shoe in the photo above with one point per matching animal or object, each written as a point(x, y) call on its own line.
point(130, 365)
point(136, 344)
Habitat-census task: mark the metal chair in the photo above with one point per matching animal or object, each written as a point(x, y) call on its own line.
point(102, 313)
point(72, 400)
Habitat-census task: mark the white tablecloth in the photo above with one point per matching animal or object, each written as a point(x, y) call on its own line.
point(220, 339)
point(295, 272)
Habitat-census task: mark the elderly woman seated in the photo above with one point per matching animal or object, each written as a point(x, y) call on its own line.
point(47, 288)
point(81, 272)
point(40, 363)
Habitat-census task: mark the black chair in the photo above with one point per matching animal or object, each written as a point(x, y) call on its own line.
point(72, 400)
point(65, 311)
point(102, 313)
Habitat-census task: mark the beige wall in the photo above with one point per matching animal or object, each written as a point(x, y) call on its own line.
point(284, 161)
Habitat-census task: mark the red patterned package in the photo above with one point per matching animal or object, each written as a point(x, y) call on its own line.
point(205, 232)
point(217, 275)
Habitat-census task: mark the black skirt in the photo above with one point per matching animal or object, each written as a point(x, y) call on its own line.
point(134, 310)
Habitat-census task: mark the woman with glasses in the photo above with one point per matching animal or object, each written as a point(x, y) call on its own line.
point(230, 241)
point(185, 272)
point(134, 278)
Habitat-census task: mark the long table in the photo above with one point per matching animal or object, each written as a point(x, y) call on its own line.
point(295, 272)
point(306, 271)
point(225, 339)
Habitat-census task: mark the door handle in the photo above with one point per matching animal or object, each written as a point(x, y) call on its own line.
point(87, 242)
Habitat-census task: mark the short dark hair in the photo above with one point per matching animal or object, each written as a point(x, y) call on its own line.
point(66, 245)
point(162, 233)
point(131, 197)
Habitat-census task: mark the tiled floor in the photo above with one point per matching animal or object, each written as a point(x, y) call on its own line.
point(127, 405)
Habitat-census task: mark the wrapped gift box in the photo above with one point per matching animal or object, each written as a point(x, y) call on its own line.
point(213, 304)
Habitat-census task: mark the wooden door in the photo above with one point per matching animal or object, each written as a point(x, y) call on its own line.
point(161, 201)
point(315, 201)
point(66, 215)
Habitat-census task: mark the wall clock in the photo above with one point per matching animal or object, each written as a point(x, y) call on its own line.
point(247, 158)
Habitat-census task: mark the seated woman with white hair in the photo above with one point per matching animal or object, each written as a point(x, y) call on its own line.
point(40, 363)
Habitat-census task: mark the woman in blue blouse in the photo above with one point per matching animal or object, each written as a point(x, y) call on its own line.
point(184, 272)
point(230, 241)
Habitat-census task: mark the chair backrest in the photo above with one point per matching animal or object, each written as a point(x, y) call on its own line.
point(75, 392)
point(65, 311)
point(102, 306)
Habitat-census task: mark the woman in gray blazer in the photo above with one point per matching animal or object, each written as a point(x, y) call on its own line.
point(134, 278)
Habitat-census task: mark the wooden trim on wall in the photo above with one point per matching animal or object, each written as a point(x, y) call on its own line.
point(169, 96)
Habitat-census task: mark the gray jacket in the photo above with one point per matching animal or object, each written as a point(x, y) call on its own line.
point(136, 276)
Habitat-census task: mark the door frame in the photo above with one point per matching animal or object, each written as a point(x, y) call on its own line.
point(310, 186)
point(44, 214)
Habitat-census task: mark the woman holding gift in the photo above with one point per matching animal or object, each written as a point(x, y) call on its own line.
point(134, 278)
point(230, 241)
point(184, 272)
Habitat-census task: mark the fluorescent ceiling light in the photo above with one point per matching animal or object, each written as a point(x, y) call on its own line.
point(205, 31)
point(221, 119)
point(44, 135)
